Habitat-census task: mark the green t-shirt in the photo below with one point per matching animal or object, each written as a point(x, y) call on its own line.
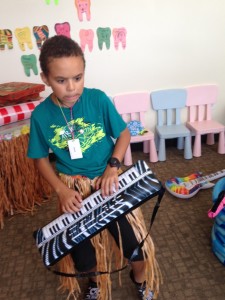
point(94, 121)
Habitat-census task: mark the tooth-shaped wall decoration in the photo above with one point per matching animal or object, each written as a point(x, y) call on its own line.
point(119, 35)
point(6, 39)
point(63, 29)
point(104, 35)
point(23, 36)
point(86, 38)
point(29, 62)
point(49, 1)
point(83, 7)
point(41, 34)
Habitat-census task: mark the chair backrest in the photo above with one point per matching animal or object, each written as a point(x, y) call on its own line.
point(168, 104)
point(132, 106)
point(200, 99)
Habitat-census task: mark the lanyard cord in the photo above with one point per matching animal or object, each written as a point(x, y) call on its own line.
point(71, 118)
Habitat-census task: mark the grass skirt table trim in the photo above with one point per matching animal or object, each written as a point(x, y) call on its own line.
point(21, 184)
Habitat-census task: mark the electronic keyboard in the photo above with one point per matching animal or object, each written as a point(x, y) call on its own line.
point(136, 185)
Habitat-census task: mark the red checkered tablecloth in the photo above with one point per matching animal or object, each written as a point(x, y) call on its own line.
point(15, 113)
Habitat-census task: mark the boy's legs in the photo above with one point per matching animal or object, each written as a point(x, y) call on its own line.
point(84, 254)
point(84, 257)
point(129, 244)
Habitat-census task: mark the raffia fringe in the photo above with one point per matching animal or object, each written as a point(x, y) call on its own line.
point(152, 273)
point(21, 183)
point(109, 257)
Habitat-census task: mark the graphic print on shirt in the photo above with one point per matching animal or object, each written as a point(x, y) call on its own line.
point(87, 133)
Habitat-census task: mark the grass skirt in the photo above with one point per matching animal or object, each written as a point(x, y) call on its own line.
point(109, 257)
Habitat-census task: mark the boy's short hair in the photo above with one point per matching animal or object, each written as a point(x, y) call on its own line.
point(56, 47)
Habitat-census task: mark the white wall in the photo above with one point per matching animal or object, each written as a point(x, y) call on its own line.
point(169, 43)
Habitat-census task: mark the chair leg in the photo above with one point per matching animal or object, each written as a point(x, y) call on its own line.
point(128, 157)
point(180, 143)
point(153, 157)
point(146, 147)
point(162, 150)
point(197, 151)
point(156, 141)
point(210, 139)
point(221, 143)
point(187, 147)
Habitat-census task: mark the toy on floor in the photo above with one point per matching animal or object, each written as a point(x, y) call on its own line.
point(218, 229)
point(217, 206)
point(187, 187)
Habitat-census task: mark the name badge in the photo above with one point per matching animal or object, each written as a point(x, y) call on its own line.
point(75, 149)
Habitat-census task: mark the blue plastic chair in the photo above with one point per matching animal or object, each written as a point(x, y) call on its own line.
point(168, 104)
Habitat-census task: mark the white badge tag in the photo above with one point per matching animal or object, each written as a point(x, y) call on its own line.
point(75, 149)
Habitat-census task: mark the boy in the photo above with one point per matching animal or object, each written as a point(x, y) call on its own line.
point(78, 125)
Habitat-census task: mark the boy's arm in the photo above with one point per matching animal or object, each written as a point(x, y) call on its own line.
point(70, 200)
point(109, 180)
point(121, 144)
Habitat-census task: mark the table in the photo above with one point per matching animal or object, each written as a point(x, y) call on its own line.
point(21, 185)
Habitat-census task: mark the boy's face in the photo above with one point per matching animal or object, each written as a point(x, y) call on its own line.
point(66, 78)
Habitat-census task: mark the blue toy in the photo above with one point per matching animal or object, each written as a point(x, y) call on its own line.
point(218, 230)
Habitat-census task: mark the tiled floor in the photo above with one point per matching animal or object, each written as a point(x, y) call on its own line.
point(181, 233)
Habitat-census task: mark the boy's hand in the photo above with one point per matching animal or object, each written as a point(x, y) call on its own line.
point(108, 182)
point(70, 200)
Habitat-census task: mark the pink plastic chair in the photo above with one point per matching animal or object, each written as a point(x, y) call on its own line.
point(133, 106)
point(200, 100)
